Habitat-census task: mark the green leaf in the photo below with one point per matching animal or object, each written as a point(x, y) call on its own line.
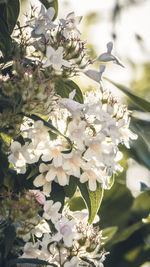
point(33, 172)
point(71, 188)
point(12, 13)
point(5, 39)
point(65, 87)
point(57, 193)
point(92, 199)
point(53, 4)
point(140, 102)
point(140, 150)
point(127, 232)
point(76, 203)
point(115, 207)
point(108, 233)
point(95, 199)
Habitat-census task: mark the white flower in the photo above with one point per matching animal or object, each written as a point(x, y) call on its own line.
point(31, 250)
point(95, 146)
point(51, 211)
point(66, 231)
point(41, 228)
point(72, 263)
point(55, 58)
point(76, 132)
point(54, 150)
point(91, 175)
point(70, 24)
point(18, 156)
point(95, 75)
point(125, 133)
point(41, 180)
point(106, 57)
point(73, 163)
point(57, 174)
point(44, 22)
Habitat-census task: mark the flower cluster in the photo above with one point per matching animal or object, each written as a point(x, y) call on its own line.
point(95, 129)
point(73, 243)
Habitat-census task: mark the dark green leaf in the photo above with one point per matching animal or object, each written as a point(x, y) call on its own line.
point(28, 260)
point(10, 235)
point(57, 193)
point(5, 39)
point(140, 150)
point(71, 188)
point(33, 172)
point(65, 87)
point(53, 4)
point(115, 206)
point(140, 102)
point(12, 13)
point(126, 233)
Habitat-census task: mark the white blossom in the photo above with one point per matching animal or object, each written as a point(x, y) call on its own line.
point(66, 231)
point(55, 58)
point(43, 22)
point(41, 180)
point(106, 57)
point(51, 211)
point(72, 263)
point(70, 25)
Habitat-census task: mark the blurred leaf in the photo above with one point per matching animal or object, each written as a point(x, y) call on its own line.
point(126, 233)
point(108, 233)
point(53, 4)
point(140, 150)
point(11, 11)
point(115, 206)
point(71, 188)
point(138, 101)
point(141, 206)
point(65, 87)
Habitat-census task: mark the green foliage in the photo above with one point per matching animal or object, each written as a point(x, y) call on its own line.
point(71, 188)
point(138, 101)
point(121, 219)
point(92, 199)
point(76, 203)
point(9, 13)
point(65, 87)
